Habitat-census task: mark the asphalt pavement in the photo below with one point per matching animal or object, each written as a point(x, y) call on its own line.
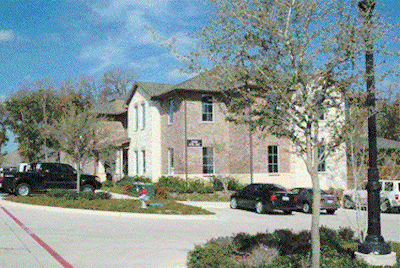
point(37, 236)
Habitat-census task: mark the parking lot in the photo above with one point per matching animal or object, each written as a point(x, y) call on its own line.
point(103, 239)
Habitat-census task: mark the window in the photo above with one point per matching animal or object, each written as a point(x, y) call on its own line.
point(137, 162)
point(143, 116)
point(125, 161)
point(171, 168)
point(136, 118)
point(144, 161)
point(321, 159)
point(208, 160)
point(273, 159)
point(207, 108)
point(171, 112)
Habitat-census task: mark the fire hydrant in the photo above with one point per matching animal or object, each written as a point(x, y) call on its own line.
point(143, 198)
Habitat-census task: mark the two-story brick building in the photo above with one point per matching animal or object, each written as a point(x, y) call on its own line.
point(182, 130)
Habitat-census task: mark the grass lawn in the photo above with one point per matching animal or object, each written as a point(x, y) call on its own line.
point(213, 197)
point(120, 205)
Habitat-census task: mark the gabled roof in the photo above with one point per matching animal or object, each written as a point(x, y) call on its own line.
point(153, 89)
point(203, 82)
point(114, 107)
point(116, 133)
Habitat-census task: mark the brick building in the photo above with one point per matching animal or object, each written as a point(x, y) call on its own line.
point(182, 130)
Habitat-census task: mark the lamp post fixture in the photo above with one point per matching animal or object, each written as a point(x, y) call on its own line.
point(374, 242)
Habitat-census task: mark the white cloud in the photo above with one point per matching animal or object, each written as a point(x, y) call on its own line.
point(179, 75)
point(6, 35)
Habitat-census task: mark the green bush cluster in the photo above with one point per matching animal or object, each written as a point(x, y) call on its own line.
point(72, 195)
point(233, 184)
point(282, 248)
point(180, 185)
point(130, 180)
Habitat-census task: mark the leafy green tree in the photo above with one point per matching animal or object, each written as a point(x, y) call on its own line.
point(287, 66)
point(28, 112)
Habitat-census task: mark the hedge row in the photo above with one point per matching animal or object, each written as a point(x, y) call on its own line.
point(282, 248)
point(171, 184)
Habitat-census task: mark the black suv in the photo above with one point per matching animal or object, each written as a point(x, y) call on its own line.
point(42, 176)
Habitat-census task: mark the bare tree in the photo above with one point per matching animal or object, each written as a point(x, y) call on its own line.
point(291, 63)
point(78, 134)
point(117, 82)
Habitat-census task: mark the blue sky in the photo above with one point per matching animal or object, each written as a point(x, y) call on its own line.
point(64, 39)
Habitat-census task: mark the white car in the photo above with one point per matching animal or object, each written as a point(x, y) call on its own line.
point(390, 196)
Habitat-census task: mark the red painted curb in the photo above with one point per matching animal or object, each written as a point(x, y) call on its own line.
point(55, 255)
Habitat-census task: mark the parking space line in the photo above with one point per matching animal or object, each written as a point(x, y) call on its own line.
point(43, 244)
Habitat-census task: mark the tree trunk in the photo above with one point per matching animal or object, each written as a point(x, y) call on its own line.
point(312, 166)
point(78, 178)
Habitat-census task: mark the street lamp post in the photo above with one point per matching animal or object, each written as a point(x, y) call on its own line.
point(374, 242)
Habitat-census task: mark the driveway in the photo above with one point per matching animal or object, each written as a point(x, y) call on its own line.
point(105, 239)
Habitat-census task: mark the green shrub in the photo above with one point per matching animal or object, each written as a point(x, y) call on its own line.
point(160, 193)
point(235, 185)
point(261, 250)
point(215, 253)
point(199, 186)
point(173, 184)
point(131, 180)
point(244, 243)
point(232, 184)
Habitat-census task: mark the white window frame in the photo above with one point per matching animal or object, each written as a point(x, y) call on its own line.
point(273, 166)
point(204, 105)
point(143, 105)
point(170, 111)
point(206, 165)
point(136, 162)
point(144, 162)
point(171, 163)
point(136, 117)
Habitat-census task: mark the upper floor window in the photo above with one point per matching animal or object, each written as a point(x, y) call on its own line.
point(143, 116)
point(136, 118)
point(207, 108)
point(171, 112)
point(273, 159)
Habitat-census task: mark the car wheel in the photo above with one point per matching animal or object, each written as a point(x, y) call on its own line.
point(330, 211)
point(306, 208)
point(259, 207)
point(385, 206)
point(87, 188)
point(23, 189)
point(347, 203)
point(233, 203)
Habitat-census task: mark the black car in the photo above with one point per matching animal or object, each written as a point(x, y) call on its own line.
point(328, 201)
point(264, 197)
